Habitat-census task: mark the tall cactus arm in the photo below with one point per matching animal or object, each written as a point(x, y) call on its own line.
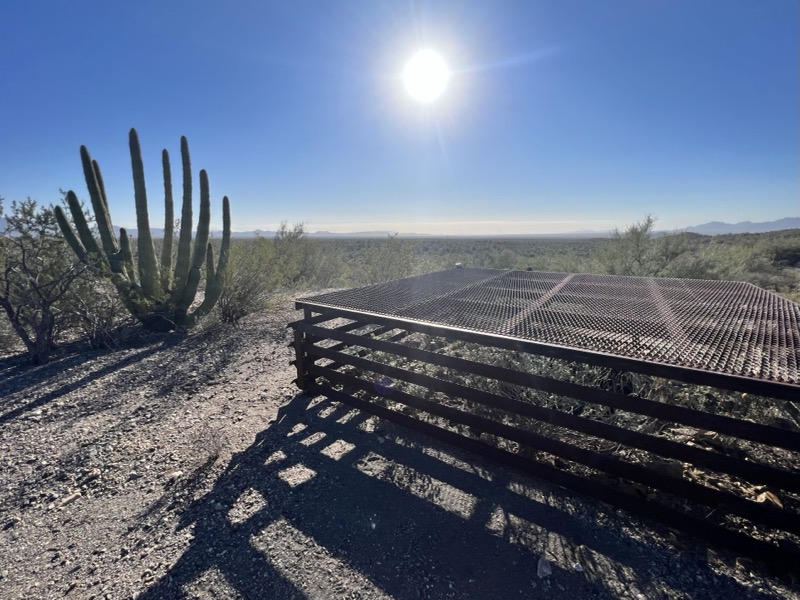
point(82, 227)
point(94, 182)
point(101, 186)
point(215, 280)
point(187, 297)
point(209, 263)
point(203, 223)
point(148, 267)
point(126, 256)
point(169, 224)
point(113, 256)
point(185, 236)
point(70, 236)
point(200, 242)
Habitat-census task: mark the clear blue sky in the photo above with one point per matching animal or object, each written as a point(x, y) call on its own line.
point(559, 115)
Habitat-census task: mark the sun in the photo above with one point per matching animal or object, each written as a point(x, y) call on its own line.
point(425, 76)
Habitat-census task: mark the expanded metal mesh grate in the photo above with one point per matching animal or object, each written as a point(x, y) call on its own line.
point(721, 326)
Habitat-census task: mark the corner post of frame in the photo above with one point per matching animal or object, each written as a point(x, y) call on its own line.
point(300, 356)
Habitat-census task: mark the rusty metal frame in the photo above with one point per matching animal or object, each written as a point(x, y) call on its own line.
point(334, 346)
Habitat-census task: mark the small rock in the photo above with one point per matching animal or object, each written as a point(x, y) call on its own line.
point(769, 498)
point(69, 499)
point(173, 475)
point(91, 475)
point(578, 567)
point(543, 569)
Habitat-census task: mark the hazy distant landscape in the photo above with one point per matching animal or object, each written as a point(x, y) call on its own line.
point(297, 261)
point(711, 228)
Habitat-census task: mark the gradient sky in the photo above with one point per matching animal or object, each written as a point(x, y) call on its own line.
point(560, 115)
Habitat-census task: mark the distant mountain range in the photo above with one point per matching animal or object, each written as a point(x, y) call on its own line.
point(712, 228)
point(719, 228)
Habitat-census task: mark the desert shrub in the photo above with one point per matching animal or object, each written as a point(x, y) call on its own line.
point(500, 258)
point(636, 251)
point(385, 259)
point(37, 277)
point(96, 311)
point(8, 340)
point(301, 262)
point(260, 267)
point(248, 281)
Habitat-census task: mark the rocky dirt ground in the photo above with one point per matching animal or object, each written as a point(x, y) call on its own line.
point(191, 467)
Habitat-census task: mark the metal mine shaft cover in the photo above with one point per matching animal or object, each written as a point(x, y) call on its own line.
point(727, 328)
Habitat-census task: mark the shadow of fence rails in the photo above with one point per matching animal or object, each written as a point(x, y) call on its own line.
point(323, 505)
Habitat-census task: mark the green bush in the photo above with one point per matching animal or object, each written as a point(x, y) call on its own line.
point(386, 259)
point(38, 275)
point(288, 262)
point(248, 281)
point(636, 251)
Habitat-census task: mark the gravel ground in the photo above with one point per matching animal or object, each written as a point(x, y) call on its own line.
point(191, 467)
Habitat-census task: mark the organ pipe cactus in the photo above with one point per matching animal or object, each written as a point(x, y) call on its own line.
point(158, 294)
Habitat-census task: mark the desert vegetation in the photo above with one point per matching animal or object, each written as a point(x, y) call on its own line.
point(51, 295)
point(161, 425)
point(158, 292)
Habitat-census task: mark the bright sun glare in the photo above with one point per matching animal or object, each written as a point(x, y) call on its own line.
point(425, 76)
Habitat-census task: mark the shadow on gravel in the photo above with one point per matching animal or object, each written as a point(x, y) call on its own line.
point(320, 507)
point(193, 362)
point(28, 379)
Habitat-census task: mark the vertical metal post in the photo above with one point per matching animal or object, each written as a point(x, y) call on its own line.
point(300, 357)
point(299, 360)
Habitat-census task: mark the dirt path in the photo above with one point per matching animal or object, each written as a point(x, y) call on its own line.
point(191, 468)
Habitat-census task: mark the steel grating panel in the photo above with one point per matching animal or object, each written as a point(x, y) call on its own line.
point(725, 327)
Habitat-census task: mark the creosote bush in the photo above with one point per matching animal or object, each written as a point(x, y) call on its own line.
point(41, 283)
point(47, 295)
point(260, 267)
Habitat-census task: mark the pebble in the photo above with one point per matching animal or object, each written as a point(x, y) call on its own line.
point(69, 499)
point(543, 569)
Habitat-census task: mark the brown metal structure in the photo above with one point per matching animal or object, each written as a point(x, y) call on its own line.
point(723, 334)
point(725, 328)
